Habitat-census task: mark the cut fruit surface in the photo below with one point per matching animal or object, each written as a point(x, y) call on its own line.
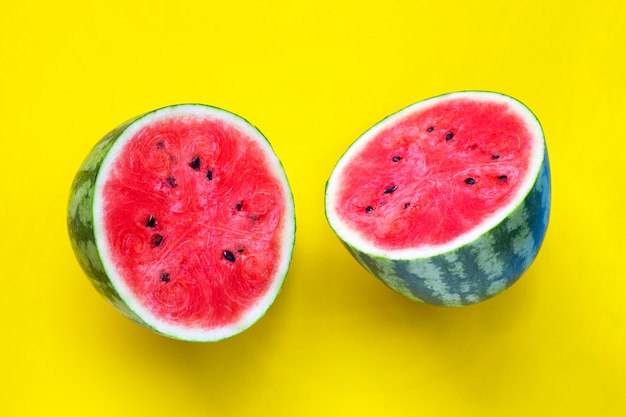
point(190, 221)
point(440, 176)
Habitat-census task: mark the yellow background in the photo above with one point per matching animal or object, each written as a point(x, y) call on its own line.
point(313, 76)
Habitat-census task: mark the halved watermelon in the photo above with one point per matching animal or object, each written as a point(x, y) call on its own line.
point(184, 221)
point(446, 201)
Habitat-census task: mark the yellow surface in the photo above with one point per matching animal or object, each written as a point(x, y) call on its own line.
point(313, 76)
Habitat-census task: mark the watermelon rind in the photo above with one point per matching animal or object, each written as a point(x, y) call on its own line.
point(87, 236)
point(478, 264)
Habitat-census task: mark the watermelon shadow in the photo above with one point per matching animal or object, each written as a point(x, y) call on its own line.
point(394, 313)
point(209, 372)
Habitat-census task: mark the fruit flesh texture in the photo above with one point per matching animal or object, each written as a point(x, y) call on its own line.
point(435, 174)
point(190, 209)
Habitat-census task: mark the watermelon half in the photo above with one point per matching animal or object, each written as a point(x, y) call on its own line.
point(446, 201)
point(183, 219)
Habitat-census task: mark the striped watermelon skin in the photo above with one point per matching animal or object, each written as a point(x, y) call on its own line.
point(473, 271)
point(478, 270)
point(80, 223)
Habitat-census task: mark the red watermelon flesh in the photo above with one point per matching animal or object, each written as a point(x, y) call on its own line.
point(446, 201)
point(183, 220)
point(192, 240)
point(435, 174)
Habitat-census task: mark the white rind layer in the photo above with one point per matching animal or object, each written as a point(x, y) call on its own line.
point(362, 243)
point(286, 230)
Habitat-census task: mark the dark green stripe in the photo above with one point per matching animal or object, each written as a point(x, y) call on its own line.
point(80, 223)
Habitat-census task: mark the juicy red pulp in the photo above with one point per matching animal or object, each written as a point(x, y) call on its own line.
point(191, 210)
point(435, 174)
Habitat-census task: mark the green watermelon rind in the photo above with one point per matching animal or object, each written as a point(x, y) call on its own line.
point(81, 224)
point(473, 271)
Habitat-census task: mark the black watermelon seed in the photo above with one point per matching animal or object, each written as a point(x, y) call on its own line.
point(160, 144)
point(209, 175)
point(239, 206)
point(368, 209)
point(495, 156)
point(165, 277)
point(151, 222)
point(229, 256)
point(407, 205)
point(449, 136)
point(430, 129)
point(156, 240)
point(195, 163)
point(502, 178)
point(470, 181)
point(172, 182)
point(391, 189)
point(396, 159)
point(240, 250)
